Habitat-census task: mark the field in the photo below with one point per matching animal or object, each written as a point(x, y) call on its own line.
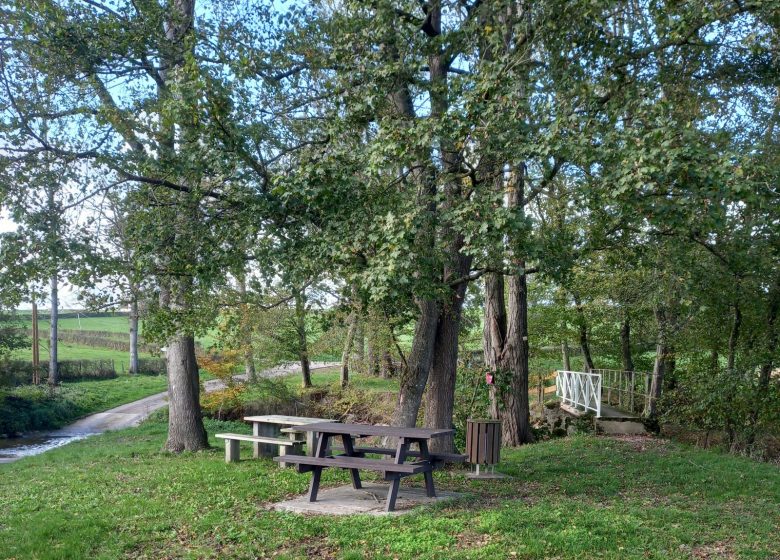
point(117, 495)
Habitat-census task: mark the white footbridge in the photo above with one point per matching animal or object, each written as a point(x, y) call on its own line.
point(607, 393)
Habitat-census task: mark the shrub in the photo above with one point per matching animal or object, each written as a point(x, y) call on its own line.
point(33, 408)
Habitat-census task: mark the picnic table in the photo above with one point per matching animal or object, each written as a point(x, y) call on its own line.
point(271, 425)
point(354, 457)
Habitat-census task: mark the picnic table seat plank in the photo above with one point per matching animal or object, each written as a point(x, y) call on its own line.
point(233, 450)
point(435, 457)
point(347, 462)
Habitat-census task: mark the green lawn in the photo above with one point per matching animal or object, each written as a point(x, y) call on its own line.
point(67, 351)
point(331, 376)
point(117, 495)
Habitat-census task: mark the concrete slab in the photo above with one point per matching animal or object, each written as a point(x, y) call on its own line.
point(370, 500)
point(624, 427)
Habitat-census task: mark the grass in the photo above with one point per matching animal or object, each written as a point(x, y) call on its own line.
point(67, 351)
point(117, 495)
point(332, 376)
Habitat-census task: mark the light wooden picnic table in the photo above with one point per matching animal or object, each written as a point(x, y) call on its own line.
point(271, 425)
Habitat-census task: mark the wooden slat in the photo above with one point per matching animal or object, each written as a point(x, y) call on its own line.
point(256, 439)
point(446, 457)
point(344, 462)
point(286, 420)
point(363, 430)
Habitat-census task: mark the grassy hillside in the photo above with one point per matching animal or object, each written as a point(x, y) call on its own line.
point(117, 495)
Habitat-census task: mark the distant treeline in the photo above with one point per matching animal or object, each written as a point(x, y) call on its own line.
point(45, 315)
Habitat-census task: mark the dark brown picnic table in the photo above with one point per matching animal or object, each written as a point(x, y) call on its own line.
point(354, 458)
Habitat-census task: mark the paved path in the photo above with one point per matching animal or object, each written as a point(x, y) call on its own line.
point(125, 416)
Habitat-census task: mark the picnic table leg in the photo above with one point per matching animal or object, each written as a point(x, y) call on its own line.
point(395, 483)
point(322, 446)
point(349, 450)
point(265, 429)
point(315, 484)
point(430, 490)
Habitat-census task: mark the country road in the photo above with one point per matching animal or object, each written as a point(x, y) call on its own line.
point(124, 416)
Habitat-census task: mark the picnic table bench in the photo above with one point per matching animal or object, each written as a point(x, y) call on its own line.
point(354, 458)
point(291, 445)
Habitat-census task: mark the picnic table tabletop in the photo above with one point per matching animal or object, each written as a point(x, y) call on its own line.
point(374, 430)
point(286, 420)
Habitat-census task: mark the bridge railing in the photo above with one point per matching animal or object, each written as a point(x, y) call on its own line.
point(580, 389)
point(626, 390)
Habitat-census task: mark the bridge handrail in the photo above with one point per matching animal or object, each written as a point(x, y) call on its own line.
point(632, 388)
point(579, 389)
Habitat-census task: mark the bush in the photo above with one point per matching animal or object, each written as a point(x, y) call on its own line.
point(19, 372)
point(33, 408)
point(723, 401)
point(265, 396)
point(152, 366)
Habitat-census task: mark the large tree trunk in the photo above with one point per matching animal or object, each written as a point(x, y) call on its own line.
point(54, 369)
point(583, 331)
point(516, 418)
point(133, 334)
point(303, 343)
point(414, 374)
point(505, 341)
point(185, 423)
point(494, 333)
point(625, 344)
point(440, 402)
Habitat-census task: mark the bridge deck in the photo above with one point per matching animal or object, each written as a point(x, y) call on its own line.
point(607, 412)
point(612, 412)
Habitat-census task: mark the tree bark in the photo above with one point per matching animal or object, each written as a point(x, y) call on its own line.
point(625, 344)
point(661, 360)
point(54, 368)
point(387, 367)
point(494, 333)
point(736, 324)
point(36, 356)
point(133, 334)
point(185, 423)
point(346, 354)
point(359, 346)
point(441, 385)
point(583, 332)
point(516, 418)
point(505, 342)
point(303, 343)
point(414, 375)
point(245, 331)
point(565, 356)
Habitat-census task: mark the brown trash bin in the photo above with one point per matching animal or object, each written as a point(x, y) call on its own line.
point(483, 443)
